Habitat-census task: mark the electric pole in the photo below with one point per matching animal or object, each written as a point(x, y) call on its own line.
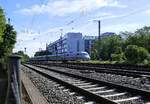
point(8, 20)
point(99, 37)
point(61, 31)
point(99, 30)
point(61, 41)
point(25, 50)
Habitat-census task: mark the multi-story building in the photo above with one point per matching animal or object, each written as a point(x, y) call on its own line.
point(70, 43)
point(74, 42)
point(88, 43)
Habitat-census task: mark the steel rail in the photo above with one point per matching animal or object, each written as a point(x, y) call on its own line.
point(145, 94)
point(88, 94)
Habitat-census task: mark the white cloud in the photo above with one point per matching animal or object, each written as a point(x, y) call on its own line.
point(33, 40)
point(64, 7)
point(147, 12)
point(131, 27)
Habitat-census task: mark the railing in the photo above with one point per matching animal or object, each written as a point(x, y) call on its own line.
point(14, 81)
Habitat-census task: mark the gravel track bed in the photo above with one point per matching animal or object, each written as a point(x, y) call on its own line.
point(139, 83)
point(136, 101)
point(67, 79)
point(52, 91)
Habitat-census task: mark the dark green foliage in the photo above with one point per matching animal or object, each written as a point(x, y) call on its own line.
point(95, 50)
point(41, 53)
point(118, 55)
point(135, 54)
point(2, 24)
point(132, 48)
point(143, 55)
point(140, 38)
point(7, 40)
point(106, 47)
point(24, 57)
point(131, 53)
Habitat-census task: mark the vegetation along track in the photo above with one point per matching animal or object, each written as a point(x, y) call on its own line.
point(101, 92)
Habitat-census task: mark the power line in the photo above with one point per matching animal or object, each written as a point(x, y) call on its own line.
point(34, 17)
point(125, 15)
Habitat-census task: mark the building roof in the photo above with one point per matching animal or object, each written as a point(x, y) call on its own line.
point(90, 37)
point(108, 33)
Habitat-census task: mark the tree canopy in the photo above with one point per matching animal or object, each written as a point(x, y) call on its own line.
point(135, 54)
point(41, 53)
point(106, 47)
point(7, 38)
point(133, 48)
point(141, 38)
point(2, 24)
point(24, 57)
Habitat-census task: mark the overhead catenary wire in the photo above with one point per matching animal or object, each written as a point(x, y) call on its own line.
point(67, 24)
point(73, 21)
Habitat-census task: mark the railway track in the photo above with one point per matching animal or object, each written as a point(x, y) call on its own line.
point(130, 71)
point(98, 91)
point(140, 81)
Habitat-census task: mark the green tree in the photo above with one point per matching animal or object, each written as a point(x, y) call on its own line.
point(2, 24)
point(24, 57)
point(143, 31)
point(41, 53)
point(95, 50)
point(144, 55)
point(106, 47)
point(141, 38)
point(9, 39)
point(135, 54)
point(118, 55)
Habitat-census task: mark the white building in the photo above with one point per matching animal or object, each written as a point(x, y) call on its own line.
point(74, 42)
point(88, 43)
point(70, 43)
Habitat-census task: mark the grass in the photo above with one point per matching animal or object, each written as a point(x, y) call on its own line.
point(96, 62)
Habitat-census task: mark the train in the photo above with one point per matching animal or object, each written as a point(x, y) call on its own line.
point(81, 56)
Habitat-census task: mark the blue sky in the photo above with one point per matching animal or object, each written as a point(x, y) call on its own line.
point(38, 22)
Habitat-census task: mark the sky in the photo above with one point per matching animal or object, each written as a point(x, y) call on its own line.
point(40, 22)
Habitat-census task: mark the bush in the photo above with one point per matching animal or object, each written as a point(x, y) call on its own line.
point(143, 54)
point(117, 57)
point(24, 57)
point(135, 54)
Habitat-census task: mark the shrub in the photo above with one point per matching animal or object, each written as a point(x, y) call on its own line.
point(135, 54)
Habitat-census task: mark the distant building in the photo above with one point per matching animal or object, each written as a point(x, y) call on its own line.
point(70, 43)
point(106, 34)
point(74, 42)
point(88, 43)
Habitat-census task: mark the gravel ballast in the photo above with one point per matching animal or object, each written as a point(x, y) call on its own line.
point(53, 92)
point(137, 101)
point(139, 83)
